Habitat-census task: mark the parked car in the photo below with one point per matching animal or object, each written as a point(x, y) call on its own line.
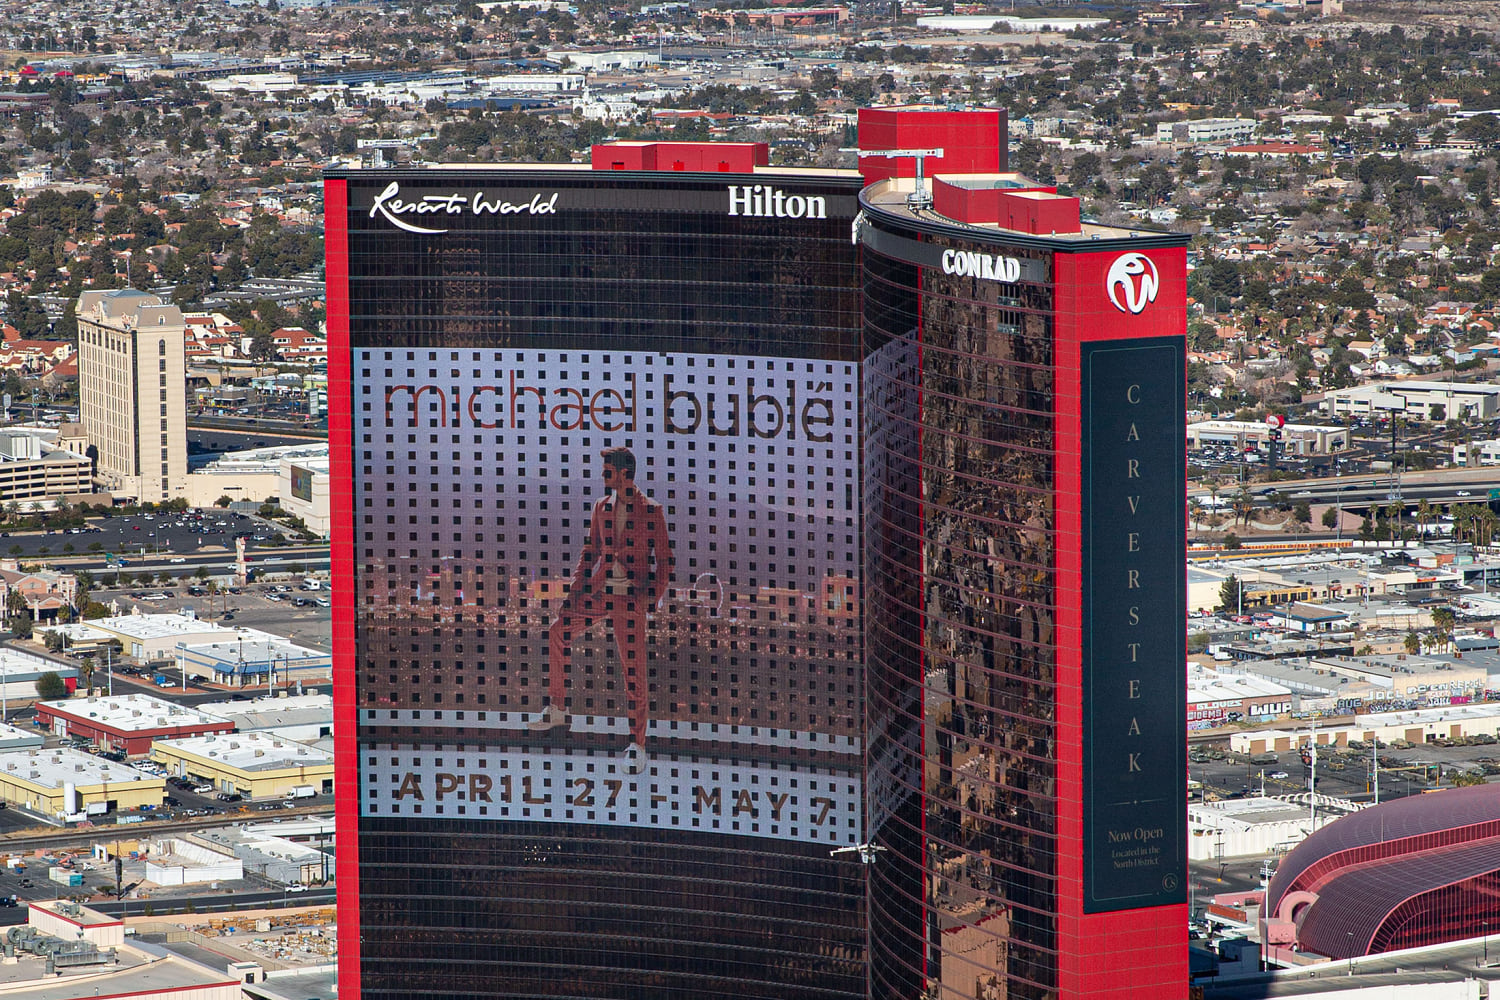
point(230, 797)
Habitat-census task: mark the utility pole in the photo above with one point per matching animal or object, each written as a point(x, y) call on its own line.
point(1312, 798)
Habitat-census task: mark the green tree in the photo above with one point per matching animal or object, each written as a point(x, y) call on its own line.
point(1412, 643)
point(263, 347)
point(1229, 594)
point(50, 686)
point(1303, 512)
point(1330, 518)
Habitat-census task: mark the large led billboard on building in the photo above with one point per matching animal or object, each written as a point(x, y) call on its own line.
point(302, 483)
point(601, 691)
point(704, 605)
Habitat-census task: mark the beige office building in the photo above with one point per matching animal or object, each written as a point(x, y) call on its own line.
point(132, 391)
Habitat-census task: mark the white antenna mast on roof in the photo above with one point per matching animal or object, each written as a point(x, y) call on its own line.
point(920, 198)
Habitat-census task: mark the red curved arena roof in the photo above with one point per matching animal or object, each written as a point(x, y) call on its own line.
point(1419, 823)
point(1353, 905)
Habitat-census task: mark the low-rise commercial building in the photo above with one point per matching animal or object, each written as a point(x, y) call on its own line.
point(303, 490)
point(72, 922)
point(1314, 688)
point(1259, 825)
point(1296, 439)
point(65, 782)
point(156, 637)
point(259, 474)
point(70, 952)
point(249, 764)
point(1416, 400)
point(1427, 725)
point(276, 858)
point(185, 861)
point(1215, 130)
point(20, 671)
point(1215, 698)
point(1430, 679)
point(1303, 617)
point(35, 472)
point(252, 659)
point(12, 738)
point(304, 718)
point(129, 722)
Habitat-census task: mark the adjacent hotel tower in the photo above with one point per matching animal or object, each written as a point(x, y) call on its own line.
point(1025, 594)
point(705, 530)
point(132, 395)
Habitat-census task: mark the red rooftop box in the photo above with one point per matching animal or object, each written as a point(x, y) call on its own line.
point(973, 142)
point(1009, 201)
point(710, 157)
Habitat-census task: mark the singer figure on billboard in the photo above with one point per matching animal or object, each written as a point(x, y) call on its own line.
point(622, 575)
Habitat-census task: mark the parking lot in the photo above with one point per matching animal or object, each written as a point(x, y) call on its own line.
point(270, 606)
point(1342, 772)
point(144, 536)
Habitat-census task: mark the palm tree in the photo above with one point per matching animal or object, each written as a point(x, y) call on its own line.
point(1424, 514)
point(1443, 619)
point(1413, 643)
point(1244, 508)
point(1463, 521)
point(1486, 526)
point(1397, 508)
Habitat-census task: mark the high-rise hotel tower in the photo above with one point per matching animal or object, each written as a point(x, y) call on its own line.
point(756, 582)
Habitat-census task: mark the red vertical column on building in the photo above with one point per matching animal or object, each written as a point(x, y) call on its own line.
point(341, 509)
point(1128, 954)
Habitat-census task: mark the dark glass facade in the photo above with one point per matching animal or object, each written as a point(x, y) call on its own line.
point(1023, 547)
point(709, 614)
point(961, 653)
